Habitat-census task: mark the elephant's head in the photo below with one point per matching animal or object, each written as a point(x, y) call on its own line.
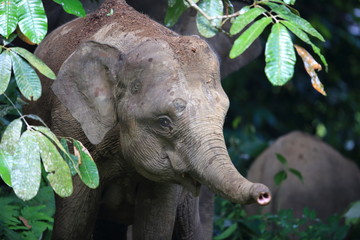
point(166, 98)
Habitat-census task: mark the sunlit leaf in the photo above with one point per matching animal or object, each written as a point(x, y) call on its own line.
point(291, 2)
point(286, 14)
point(5, 71)
point(58, 171)
point(171, 3)
point(297, 174)
point(5, 168)
point(11, 137)
point(35, 62)
point(26, 169)
point(47, 132)
point(244, 41)
point(26, 78)
point(74, 7)
point(8, 17)
point(243, 20)
point(303, 36)
point(311, 66)
point(174, 12)
point(280, 177)
point(89, 173)
point(279, 56)
point(71, 159)
point(352, 215)
point(212, 8)
point(32, 19)
point(281, 159)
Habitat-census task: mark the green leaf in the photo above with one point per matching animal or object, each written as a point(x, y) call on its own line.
point(304, 37)
point(9, 39)
point(286, 14)
point(5, 70)
point(26, 78)
point(71, 159)
point(171, 3)
point(243, 20)
point(89, 173)
point(74, 7)
point(58, 171)
point(248, 36)
point(48, 133)
point(11, 137)
point(280, 177)
point(352, 216)
point(174, 12)
point(227, 233)
point(26, 169)
point(291, 2)
point(279, 56)
point(32, 19)
point(212, 8)
point(8, 17)
point(5, 168)
point(281, 159)
point(35, 62)
point(297, 174)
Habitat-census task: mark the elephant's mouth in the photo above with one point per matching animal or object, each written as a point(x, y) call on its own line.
point(190, 184)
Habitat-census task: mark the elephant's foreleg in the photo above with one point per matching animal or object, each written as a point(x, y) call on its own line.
point(155, 210)
point(75, 216)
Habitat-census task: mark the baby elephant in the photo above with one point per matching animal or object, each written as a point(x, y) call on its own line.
point(330, 182)
point(149, 106)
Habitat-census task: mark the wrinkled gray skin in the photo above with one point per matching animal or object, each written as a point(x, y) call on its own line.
point(149, 106)
point(156, 9)
point(331, 182)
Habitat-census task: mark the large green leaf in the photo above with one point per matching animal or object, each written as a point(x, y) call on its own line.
point(32, 19)
point(26, 78)
point(89, 173)
point(5, 70)
point(212, 8)
point(8, 17)
point(303, 36)
point(286, 14)
point(279, 56)
point(174, 12)
point(35, 62)
point(243, 20)
point(74, 7)
point(26, 169)
point(248, 36)
point(5, 168)
point(11, 137)
point(58, 171)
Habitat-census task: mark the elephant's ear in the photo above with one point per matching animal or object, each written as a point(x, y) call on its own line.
point(85, 85)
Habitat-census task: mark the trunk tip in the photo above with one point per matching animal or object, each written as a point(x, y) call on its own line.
point(262, 194)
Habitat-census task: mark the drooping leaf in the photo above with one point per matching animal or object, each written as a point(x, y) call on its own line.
point(281, 159)
point(26, 78)
point(74, 7)
point(174, 12)
point(5, 70)
point(35, 62)
point(310, 66)
point(8, 17)
point(11, 137)
point(279, 56)
point(212, 8)
point(26, 169)
point(243, 20)
point(303, 36)
point(58, 171)
point(248, 36)
point(5, 169)
point(89, 173)
point(280, 177)
point(297, 174)
point(286, 14)
point(32, 19)
point(227, 233)
point(71, 159)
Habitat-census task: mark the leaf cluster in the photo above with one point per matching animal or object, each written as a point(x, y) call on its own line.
point(250, 22)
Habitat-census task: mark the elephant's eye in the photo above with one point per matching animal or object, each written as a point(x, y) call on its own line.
point(164, 122)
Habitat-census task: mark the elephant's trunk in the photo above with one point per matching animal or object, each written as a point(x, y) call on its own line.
point(213, 168)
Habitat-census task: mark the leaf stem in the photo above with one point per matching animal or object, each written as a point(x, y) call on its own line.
point(21, 116)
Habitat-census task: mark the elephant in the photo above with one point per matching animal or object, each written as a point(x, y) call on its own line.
point(330, 181)
point(149, 106)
